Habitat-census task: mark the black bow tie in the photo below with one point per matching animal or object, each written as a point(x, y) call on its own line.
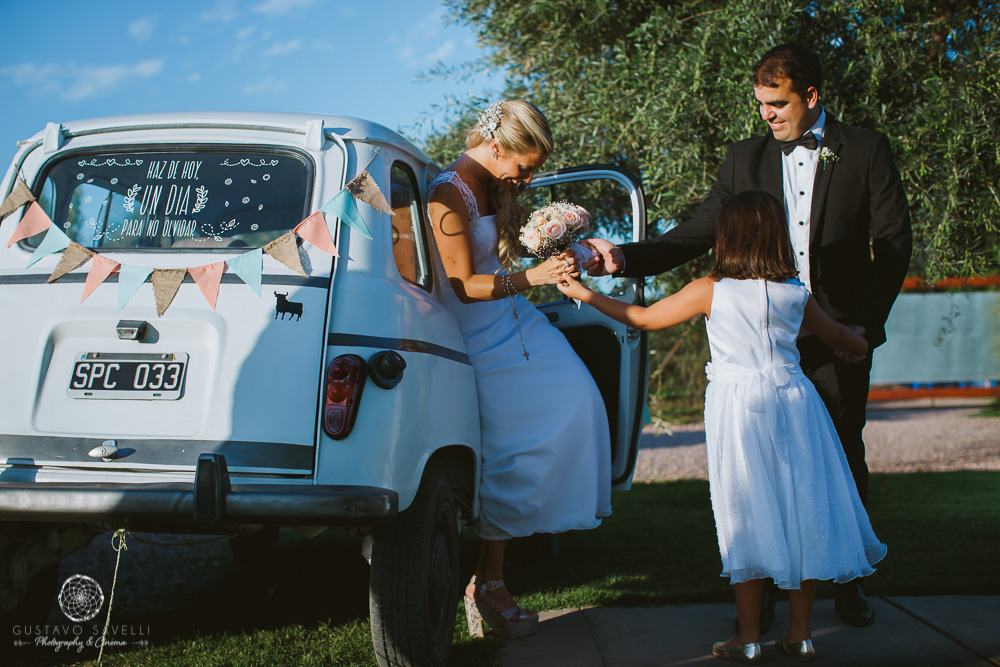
point(807, 140)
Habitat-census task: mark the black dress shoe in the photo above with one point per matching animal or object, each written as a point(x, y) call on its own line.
point(766, 609)
point(852, 606)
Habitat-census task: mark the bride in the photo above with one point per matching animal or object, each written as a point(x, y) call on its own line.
point(546, 452)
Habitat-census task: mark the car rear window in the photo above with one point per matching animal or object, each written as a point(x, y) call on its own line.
point(191, 200)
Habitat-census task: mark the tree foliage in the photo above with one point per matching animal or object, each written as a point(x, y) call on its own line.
point(660, 87)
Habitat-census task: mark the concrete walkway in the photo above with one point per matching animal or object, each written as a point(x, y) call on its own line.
point(945, 630)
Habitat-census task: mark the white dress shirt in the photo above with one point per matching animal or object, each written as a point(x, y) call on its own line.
point(798, 173)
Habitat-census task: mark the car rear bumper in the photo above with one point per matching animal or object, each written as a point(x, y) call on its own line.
point(178, 503)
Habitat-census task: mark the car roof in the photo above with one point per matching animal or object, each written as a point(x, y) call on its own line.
point(347, 128)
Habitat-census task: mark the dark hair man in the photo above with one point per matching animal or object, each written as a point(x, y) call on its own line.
point(849, 224)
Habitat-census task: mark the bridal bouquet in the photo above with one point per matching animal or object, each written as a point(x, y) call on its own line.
point(553, 228)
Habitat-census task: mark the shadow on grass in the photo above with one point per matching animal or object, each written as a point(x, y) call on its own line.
point(305, 602)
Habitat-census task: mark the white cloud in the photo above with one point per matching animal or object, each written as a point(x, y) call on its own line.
point(245, 33)
point(424, 44)
point(446, 49)
point(91, 81)
point(193, 77)
point(276, 7)
point(223, 10)
point(267, 86)
point(32, 74)
point(142, 29)
point(73, 82)
point(280, 48)
point(408, 55)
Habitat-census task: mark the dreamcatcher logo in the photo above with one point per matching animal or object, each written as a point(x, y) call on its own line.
point(80, 598)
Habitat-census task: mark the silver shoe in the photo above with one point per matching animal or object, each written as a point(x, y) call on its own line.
point(749, 654)
point(802, 651)
point(513, 623)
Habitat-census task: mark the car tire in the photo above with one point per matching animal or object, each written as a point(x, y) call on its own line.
point(414, 583)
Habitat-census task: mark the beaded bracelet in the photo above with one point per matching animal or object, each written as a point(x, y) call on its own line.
point(508, 288)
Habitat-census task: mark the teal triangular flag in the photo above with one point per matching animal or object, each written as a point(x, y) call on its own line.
point(53, 241)
point(130, 279)
point(342, 206)
point(248, 266)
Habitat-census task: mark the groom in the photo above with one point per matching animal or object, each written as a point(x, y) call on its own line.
point(849, 224)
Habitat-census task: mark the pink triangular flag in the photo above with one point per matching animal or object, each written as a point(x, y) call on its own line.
point(34, 220)
point(208, 278)
point(314, 230)
point(100, 269)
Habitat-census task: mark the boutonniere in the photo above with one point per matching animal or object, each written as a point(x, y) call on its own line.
point(826, 155)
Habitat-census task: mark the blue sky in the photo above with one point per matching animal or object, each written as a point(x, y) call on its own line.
point(69, 59)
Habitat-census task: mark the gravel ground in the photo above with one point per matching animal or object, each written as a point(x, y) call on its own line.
point(897, 438)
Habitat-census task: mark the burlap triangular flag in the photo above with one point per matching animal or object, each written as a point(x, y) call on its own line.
point(17, 198)
point(364, 187)
point(166, 282)
point(285, 250)
point(73, 257)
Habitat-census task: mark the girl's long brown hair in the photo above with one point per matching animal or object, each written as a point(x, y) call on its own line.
point(751, 239)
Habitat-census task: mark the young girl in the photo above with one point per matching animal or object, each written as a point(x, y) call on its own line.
point(785, 503)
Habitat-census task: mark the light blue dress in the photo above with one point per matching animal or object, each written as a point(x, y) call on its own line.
point(546, 447)
point(785, 503)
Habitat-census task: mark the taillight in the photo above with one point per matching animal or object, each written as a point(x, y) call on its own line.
point(345, 378)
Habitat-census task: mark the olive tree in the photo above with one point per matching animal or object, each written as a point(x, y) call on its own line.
point(660, 87)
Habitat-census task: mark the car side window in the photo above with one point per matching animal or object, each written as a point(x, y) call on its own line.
point(409, 246)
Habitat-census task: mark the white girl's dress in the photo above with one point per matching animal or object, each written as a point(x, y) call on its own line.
point(546, 445)
point(785, 503)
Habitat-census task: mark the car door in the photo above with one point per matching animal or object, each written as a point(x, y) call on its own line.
point(617, 355)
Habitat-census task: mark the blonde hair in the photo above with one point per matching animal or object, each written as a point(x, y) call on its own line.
point(522, 130)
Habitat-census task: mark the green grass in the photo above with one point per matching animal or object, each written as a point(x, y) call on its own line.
point(307, 605)
point(991, 410)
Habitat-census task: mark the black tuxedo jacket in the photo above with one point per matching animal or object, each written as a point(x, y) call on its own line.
point(859, 234)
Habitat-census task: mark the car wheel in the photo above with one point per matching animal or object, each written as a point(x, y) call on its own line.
point(414, 587)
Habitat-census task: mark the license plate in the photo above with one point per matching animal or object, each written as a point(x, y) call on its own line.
point(128, 376)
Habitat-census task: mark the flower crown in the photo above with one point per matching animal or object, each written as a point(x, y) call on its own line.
point(489, 120)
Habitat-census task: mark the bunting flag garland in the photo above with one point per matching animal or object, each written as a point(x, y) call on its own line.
point(315, 230)
point(166, 282)
point(54, 241)
point(74, 257)
point(249, 266)
point(130, 279)
point(342, 206)
point(18, 197)
point(100, 269)
point(286, 250)
point(208, 278)
point(364, 187)
point(34, 221)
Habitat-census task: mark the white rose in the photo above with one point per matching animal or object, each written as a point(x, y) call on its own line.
point(531, 239)
point(555, 229)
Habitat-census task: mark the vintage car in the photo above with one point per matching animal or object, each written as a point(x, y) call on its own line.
point(187, 347)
